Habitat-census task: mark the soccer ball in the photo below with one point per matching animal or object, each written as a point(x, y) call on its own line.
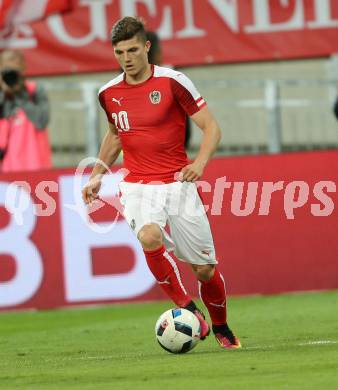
point(178, 330)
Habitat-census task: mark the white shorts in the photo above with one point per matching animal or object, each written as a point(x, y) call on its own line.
point(176, 206)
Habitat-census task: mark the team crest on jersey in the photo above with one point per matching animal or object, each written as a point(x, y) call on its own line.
point(155, 97)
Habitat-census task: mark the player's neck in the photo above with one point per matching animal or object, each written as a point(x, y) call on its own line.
point(143, 75)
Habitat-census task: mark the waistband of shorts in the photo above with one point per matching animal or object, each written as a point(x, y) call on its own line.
point(149, 180)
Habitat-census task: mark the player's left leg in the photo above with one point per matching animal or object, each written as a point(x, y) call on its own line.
point(213, 294)
point(190, 230)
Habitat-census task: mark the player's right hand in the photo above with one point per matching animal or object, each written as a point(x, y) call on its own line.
point(91, 189)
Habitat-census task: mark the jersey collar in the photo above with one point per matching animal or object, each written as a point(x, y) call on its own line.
point(143, 82)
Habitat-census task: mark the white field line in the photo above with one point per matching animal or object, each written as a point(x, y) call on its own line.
point(319, 342)
point(305, 344)
point(257, 347)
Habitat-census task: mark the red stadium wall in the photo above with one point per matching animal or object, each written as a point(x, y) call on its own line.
point(265, 244)
point(193, 32)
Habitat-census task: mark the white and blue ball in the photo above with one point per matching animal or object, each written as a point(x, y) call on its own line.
point(178, 330)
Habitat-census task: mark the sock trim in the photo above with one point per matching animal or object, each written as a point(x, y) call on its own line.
point(177, 272)
point(221, 276)
point(154, 252)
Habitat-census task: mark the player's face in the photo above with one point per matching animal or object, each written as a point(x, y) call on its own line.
point(132, 55)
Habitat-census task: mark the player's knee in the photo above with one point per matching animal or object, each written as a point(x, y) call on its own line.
point(150, 236)
point(204, 272)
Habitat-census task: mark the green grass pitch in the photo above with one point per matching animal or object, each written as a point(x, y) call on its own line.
point(289, 342)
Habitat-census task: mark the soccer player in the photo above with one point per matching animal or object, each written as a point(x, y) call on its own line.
point(146, 107)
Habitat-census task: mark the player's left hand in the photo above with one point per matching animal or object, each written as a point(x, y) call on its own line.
point(191, 172)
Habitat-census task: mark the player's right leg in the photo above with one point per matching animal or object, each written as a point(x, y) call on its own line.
point(162, 265)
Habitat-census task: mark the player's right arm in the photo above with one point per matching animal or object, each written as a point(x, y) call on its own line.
point(109, 151)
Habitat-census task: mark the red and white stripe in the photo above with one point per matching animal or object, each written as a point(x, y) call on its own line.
point(183, 81)
point(200, 101)
point(210, 303)
point(177, 272)
point(15, 12)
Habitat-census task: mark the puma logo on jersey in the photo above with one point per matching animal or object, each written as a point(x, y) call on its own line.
point(118, 101)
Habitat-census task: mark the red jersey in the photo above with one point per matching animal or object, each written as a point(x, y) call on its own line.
point(150, 118)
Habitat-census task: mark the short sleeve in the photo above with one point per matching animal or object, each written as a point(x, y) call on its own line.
point(186, 94)
point(103, 105)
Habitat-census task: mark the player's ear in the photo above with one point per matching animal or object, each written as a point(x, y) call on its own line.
point(148, 45)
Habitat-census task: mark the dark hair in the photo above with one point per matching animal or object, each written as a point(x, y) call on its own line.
point(154, 54)
point(127, 28)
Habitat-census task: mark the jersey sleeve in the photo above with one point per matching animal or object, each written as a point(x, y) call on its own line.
point(103, 105)
point(186, 94)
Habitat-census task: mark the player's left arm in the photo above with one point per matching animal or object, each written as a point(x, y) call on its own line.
point(205, 120)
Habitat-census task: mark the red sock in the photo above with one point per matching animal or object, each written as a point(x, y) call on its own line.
point(165, 270)
point(213, 296)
